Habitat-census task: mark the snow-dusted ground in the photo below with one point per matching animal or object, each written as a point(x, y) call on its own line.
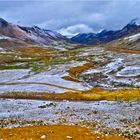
point(92, 51)
point(54, 111)
point(12, 75)
point(108, 114)
point(26, 81)
point(121, 71)
point(130, 71)
point(30, 88)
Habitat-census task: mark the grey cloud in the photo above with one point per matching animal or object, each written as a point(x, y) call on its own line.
point(75, 29)
point(60, 14)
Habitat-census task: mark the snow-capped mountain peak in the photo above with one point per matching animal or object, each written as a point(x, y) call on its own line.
point(32, 34)
point(106, 36)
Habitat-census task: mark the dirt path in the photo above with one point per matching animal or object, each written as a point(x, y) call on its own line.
point(39, 83)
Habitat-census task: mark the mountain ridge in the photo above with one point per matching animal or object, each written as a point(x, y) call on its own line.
point(32, 34)
point(36, 35)
point(106, 36)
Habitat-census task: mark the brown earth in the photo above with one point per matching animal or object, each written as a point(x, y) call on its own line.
point(53, 132)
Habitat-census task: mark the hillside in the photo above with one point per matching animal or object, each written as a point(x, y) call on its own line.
point(12, 36)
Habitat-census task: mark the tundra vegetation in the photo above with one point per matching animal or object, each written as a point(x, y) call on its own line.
point(80, 74)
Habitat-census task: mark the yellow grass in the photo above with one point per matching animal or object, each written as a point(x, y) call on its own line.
point(70, 79)
point(34, 50)
point(95, 94)
point(76, 71)
point(125, 94)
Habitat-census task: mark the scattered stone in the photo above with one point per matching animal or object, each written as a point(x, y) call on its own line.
point(48, 105)
point(95, 112)
point(42, 106)
point(43, 137)
point(51, 131)
point(68, 137)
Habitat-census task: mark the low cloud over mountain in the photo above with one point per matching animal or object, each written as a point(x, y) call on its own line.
point(75, 29)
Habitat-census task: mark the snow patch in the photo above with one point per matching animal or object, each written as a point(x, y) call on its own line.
point(4, 37)
point(133, 38)
point(129, 71)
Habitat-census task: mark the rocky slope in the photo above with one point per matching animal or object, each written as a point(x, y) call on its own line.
point(129, 44)
point(27, 35)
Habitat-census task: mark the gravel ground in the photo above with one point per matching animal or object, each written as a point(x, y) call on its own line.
point(123, 117)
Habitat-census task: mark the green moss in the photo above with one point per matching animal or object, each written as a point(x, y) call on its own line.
point(41, 61)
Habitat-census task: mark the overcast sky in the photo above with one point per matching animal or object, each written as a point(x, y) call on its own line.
point(71, 16)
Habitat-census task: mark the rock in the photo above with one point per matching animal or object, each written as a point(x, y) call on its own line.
point(42, 106)
point(43, 137)
point(68, 137)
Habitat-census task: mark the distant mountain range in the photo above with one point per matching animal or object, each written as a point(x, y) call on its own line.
point(106, 36)
point(12, 35)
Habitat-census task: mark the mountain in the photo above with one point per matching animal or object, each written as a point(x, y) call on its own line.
point(45, 35)
point(31, 35)
point(106, 36)
point(129, 44)
point(15, 36)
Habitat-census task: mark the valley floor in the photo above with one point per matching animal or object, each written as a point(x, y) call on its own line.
point(103, 117)
point(81, 94)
